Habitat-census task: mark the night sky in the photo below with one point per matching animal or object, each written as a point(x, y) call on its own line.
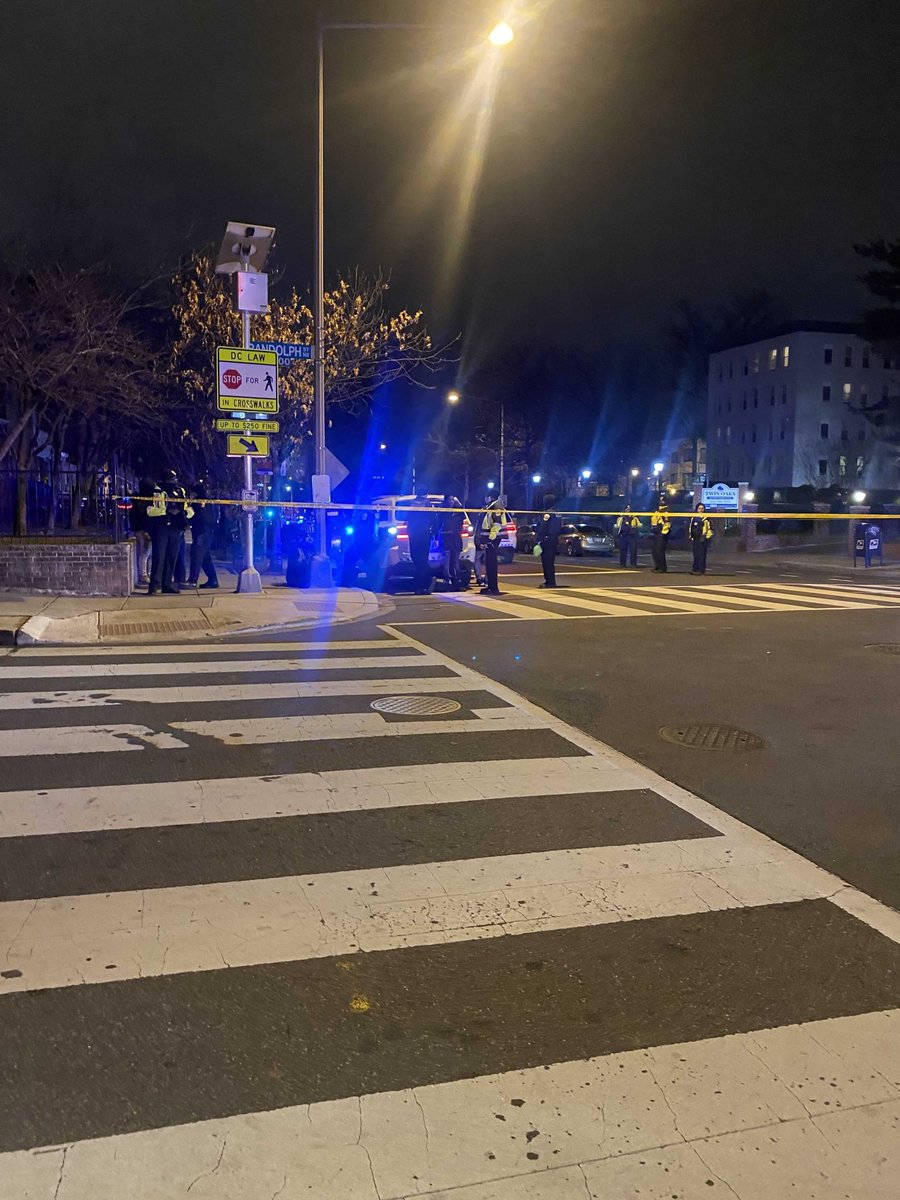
point(634, 151)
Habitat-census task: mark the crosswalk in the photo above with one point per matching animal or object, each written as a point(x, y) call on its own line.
point(291, 944)
point(536, 604)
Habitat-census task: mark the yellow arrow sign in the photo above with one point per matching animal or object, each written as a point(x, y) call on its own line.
point(253, 443)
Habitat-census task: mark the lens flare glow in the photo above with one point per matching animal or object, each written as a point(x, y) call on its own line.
point(501, 35)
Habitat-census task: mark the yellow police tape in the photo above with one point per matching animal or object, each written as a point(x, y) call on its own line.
point(306, 505)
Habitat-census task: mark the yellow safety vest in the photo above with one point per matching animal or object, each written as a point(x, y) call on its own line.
point(661, 520)
point(631, 521)
point(158, 507)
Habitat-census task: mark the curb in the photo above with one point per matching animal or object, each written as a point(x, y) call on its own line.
point(46, 631)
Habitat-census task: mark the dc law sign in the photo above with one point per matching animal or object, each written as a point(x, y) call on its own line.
point(246, 380)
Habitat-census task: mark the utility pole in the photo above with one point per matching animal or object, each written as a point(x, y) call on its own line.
point(321, 564)
point(248, 580)
point(502, 448)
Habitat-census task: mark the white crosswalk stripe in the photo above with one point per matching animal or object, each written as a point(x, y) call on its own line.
point(529, 603)
point(360, 980)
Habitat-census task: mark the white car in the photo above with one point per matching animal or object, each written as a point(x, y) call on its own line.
point(396, 558)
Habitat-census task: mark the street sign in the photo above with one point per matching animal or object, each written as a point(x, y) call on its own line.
point(287, 352)
point(246, 380)
point(720, 497)
point(239, 425)
point(249, 500)
point(335, 469)
point(241, 444)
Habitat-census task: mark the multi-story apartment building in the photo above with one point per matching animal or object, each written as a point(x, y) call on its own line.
point(781, 410)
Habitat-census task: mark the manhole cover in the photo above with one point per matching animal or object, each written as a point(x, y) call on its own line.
point(711, 737)
point(886, 647)
point(416, 706)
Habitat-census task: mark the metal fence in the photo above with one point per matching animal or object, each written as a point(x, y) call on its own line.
point(61, 503)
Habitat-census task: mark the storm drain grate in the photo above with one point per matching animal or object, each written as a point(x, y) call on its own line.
point(885, 647)
point(416, 706)
point(711, 737)
point(152, 627)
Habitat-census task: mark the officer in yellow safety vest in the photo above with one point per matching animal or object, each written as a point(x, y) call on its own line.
point(627, 528)
point(166, 521)
point(488, 532)
point(700, 532)
point(660, 528)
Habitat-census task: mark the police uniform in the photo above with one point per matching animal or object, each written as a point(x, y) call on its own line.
point(490, 528)
point(660, 527)
point(700, 532)
point(627, 527)
point(548, 540)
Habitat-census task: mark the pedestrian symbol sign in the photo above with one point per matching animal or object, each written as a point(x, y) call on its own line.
point(254, 444)
point(246, 380)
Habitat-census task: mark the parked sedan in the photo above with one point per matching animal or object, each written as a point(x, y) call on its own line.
point(576, 540)
point(526, 537)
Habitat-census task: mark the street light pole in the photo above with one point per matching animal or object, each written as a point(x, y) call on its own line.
point(502, 448)
point(321, 564)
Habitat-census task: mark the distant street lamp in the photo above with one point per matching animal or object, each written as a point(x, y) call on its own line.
point(536, 478)
point(586, 473)
point(453, 397)
point(491, 485)
point(383, 446)
point(635, 471)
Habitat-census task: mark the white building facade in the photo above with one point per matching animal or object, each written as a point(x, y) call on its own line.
point(780, 411)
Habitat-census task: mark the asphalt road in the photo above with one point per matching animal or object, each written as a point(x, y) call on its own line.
point(809, 682)
point(336, 914)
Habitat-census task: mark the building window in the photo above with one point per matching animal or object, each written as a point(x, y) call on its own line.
point(848, 356)
point(826, 391)
point(719, 373)
point(784, 393)
point(829, 354)
point(772, 398)
point(727, 435)
point(783, 430)
point(773, 359)
point(719, 408)
point(745, 401)
point(866, 355)
point(731, 370)
point(823, 466)
point(864, 396)
point(848, 392)
point(744, 366)
point(823, 430)
point(753, 434)
point(719, 434)
point(860, 466)
point(755, 364)
point(756, 397)
point(845, 435)
point(842, 466)
point(785, 356)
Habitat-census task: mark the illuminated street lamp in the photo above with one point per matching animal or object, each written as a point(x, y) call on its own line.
point(501, 35)
point(453, 397)
point(491, 485)
point(383, 446)
point(635, 471)
point(536, 478)
point(586, 473)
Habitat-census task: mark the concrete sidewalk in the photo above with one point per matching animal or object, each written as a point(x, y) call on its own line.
point(191, 615)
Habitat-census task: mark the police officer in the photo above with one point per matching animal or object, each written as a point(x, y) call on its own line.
point(660, 528)
point(628, 527)
point(202, 525)
point(700, 532)
point(419, 525)
point(165, 535)
point(451, 538)
point(548, 540)
point(489, 531)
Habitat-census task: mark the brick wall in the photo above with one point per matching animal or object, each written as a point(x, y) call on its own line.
point(70, 567)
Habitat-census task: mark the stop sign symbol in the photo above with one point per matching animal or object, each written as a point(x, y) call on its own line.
point(231, 378)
